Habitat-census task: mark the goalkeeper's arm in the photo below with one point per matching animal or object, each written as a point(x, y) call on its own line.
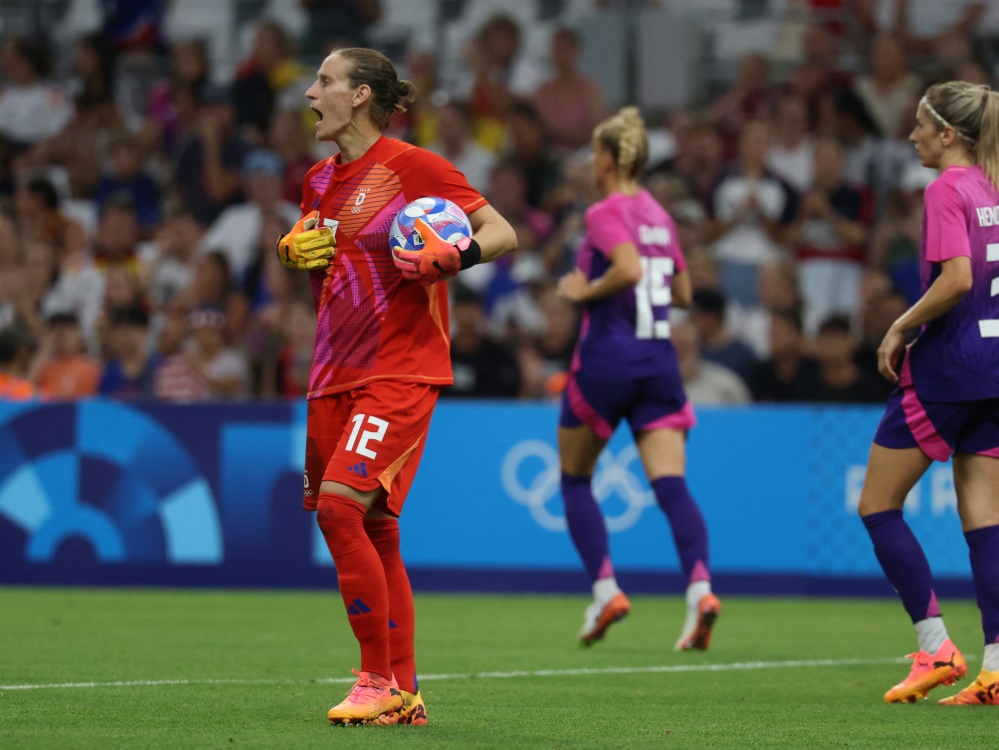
point(305, 248)
point(493, 233)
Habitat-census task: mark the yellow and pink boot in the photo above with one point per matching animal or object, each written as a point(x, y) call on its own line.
point(945, 667)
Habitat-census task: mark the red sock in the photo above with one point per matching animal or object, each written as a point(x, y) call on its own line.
point(384, 534)
point(361, 577)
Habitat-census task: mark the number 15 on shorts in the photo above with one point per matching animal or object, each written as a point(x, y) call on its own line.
point(376, 432)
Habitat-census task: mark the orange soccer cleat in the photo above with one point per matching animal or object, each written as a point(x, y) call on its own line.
point(984, 691)
point(413, 711)
point(598, 618)
point(371, 697)
point(945, 667)
point(708, 609)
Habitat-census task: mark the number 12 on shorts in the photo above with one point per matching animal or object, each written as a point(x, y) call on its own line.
point(377, 434)
point(653, 291)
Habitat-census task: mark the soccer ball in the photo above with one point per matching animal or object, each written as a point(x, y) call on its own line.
point(445, 217)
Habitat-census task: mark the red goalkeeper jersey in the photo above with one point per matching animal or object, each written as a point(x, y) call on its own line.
point(372, 323)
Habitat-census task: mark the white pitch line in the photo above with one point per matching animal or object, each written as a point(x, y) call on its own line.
point(664, 669)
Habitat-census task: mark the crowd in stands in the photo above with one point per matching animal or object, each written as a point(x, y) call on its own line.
point(139, 213)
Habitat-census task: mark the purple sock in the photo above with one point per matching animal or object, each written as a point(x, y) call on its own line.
point(586, 526)
point(904, 563)
point(983, 549)
point(689, 532)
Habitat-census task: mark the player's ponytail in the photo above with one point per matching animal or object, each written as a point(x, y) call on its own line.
point(988, 139)
point(388, 94)
point(623, 135)
point(973, 113)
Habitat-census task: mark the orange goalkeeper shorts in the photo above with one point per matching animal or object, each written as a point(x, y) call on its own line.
point(367, 438)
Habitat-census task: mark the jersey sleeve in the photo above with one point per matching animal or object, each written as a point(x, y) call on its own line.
point(428, 174)
point(606, 229)
point(946, 224)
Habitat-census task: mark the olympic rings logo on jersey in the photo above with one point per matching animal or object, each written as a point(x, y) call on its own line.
point(614, 477)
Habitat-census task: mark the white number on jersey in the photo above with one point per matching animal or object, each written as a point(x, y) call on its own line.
point(653, 292)
point(990, 328)
point(378, 434)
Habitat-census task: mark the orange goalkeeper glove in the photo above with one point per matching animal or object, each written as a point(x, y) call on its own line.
point(438, 259)
point(305, 248)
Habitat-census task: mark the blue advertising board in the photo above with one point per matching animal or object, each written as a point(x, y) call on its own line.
point(106, 492)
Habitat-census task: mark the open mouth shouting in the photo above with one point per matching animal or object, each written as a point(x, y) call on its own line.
point(319, 115)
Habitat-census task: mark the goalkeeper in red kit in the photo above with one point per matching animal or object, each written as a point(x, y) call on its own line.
point(381, 356)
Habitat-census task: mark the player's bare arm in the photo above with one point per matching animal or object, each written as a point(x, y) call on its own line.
point(681, 290)
point(945, 292)
point(493, 233)
point(625, 271)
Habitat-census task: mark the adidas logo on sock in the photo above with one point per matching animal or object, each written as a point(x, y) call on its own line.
point(360, 468)
point(357, 607)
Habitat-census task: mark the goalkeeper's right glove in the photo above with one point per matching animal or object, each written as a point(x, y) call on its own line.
point(305, 248)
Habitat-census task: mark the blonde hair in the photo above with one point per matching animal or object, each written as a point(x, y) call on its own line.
point(388, 94)
point(972, 111)
point(623, 135)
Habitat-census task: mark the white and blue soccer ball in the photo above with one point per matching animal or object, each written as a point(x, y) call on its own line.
point(445, 217)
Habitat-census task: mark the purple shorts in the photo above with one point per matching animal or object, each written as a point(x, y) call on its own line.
point(654, 403)
point(939, 428)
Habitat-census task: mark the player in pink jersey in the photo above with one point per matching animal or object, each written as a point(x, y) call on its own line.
point(946, 400)
point(630, 270)
point(380, 359)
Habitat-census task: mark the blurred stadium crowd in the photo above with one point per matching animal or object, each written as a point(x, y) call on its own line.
point(147, 169)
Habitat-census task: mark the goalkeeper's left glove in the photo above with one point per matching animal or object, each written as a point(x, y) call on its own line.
point(305, 248)
point(438, 259)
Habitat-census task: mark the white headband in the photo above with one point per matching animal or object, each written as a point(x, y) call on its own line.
point(936, 116)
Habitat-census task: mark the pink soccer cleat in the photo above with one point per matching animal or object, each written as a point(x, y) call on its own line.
point(371, 697)
point(945, 667)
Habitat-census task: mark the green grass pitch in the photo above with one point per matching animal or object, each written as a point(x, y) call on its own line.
point(260, 669)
